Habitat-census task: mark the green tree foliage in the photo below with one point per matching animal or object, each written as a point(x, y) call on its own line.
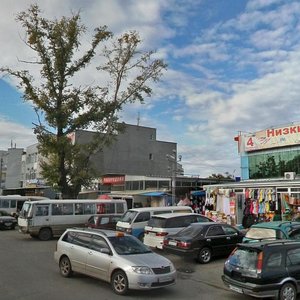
point(220, 176)
point(62, 107)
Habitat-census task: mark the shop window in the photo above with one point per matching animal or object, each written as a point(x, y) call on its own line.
point(274, 164)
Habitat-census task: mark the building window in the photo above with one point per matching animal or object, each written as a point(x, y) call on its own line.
point(151, 184)
point(164, 184)
point(150, 156)
point(274, 164)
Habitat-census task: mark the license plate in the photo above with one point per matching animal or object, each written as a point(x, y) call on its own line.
point(165, 279)
point(236, 289)
point(172, 243)
point(8, 224)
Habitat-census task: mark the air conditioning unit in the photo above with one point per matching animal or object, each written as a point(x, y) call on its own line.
point(289, 175)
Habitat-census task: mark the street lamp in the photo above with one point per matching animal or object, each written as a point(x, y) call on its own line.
point(173, 159)
point(1, 168)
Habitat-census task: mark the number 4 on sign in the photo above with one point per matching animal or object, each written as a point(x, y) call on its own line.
point(250, 142)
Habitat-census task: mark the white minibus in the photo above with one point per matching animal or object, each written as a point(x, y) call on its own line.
point(12, 204)
point(48, 218)
point(135, 219)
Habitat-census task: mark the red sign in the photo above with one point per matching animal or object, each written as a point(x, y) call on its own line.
point(272, 138)
point(114, 180)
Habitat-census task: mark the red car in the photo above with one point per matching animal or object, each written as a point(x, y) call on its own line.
point(103, 221)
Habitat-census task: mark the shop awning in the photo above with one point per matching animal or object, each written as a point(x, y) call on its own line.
point(155, 194)
point(198, 193)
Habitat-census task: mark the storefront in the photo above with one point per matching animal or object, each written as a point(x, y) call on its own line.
point(248, 202)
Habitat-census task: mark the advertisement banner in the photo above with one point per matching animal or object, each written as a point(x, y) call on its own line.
point(113, 180)
point(272, 138)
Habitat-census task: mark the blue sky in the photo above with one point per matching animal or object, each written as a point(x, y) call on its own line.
point(233, 65)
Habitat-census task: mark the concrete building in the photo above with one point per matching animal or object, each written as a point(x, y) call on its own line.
point(136, 163)
point(14, 167)
point(134, 152)
point(31, 167)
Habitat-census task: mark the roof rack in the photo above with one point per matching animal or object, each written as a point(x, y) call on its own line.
point(104, 232)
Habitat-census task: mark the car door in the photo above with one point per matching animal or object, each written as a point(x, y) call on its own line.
point(232, 237)
point(98, 258)
point(276, 265)
point(293, 263)
point(78, 250)
point(41, 215)
point(103, 222)
point(216, 239)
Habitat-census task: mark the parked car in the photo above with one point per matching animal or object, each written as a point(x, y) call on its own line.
point(115, 257)
point(159, 226)
point(264, 269)
point(134, 220)
point(103, 221)
point(203, 241)
point(7, 221)
point(273, 231)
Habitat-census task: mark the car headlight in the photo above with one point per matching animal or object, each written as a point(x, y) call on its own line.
point(142, 270)
point(172, 268)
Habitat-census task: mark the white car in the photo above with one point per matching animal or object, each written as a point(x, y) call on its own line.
point(115, 257)
point(160, 226)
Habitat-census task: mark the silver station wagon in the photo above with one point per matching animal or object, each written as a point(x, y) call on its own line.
point(115, 257)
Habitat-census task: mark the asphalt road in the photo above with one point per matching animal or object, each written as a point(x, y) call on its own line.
point(28, 272)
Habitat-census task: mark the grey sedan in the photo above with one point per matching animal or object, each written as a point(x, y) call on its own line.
point(115, 257)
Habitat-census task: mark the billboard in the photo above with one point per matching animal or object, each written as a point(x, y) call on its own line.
point(272, 138)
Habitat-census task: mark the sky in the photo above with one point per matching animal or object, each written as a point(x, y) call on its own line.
point(233, 66)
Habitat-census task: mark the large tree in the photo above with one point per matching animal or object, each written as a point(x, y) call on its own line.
point(63, 107)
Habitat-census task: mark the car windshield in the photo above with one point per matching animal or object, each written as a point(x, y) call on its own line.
point(191, 230)
point(128, 245)
point(261, 233)
point(128, 216)
point(244, 258)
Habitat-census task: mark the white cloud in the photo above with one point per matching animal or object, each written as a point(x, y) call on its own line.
point(15, 134)
point(223, 76)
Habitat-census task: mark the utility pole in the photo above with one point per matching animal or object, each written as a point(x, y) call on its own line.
point(173, 159)
point(1, 168)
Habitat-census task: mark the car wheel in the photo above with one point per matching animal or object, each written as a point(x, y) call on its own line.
point(204, 255)
point(288, 292)
point(119, 283)
point(65, 267)
point(45, 234)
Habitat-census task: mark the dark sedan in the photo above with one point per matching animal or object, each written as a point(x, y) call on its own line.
point(204, 241)
point(7, 221)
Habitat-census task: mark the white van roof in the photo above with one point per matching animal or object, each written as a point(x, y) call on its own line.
point(160, 208)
